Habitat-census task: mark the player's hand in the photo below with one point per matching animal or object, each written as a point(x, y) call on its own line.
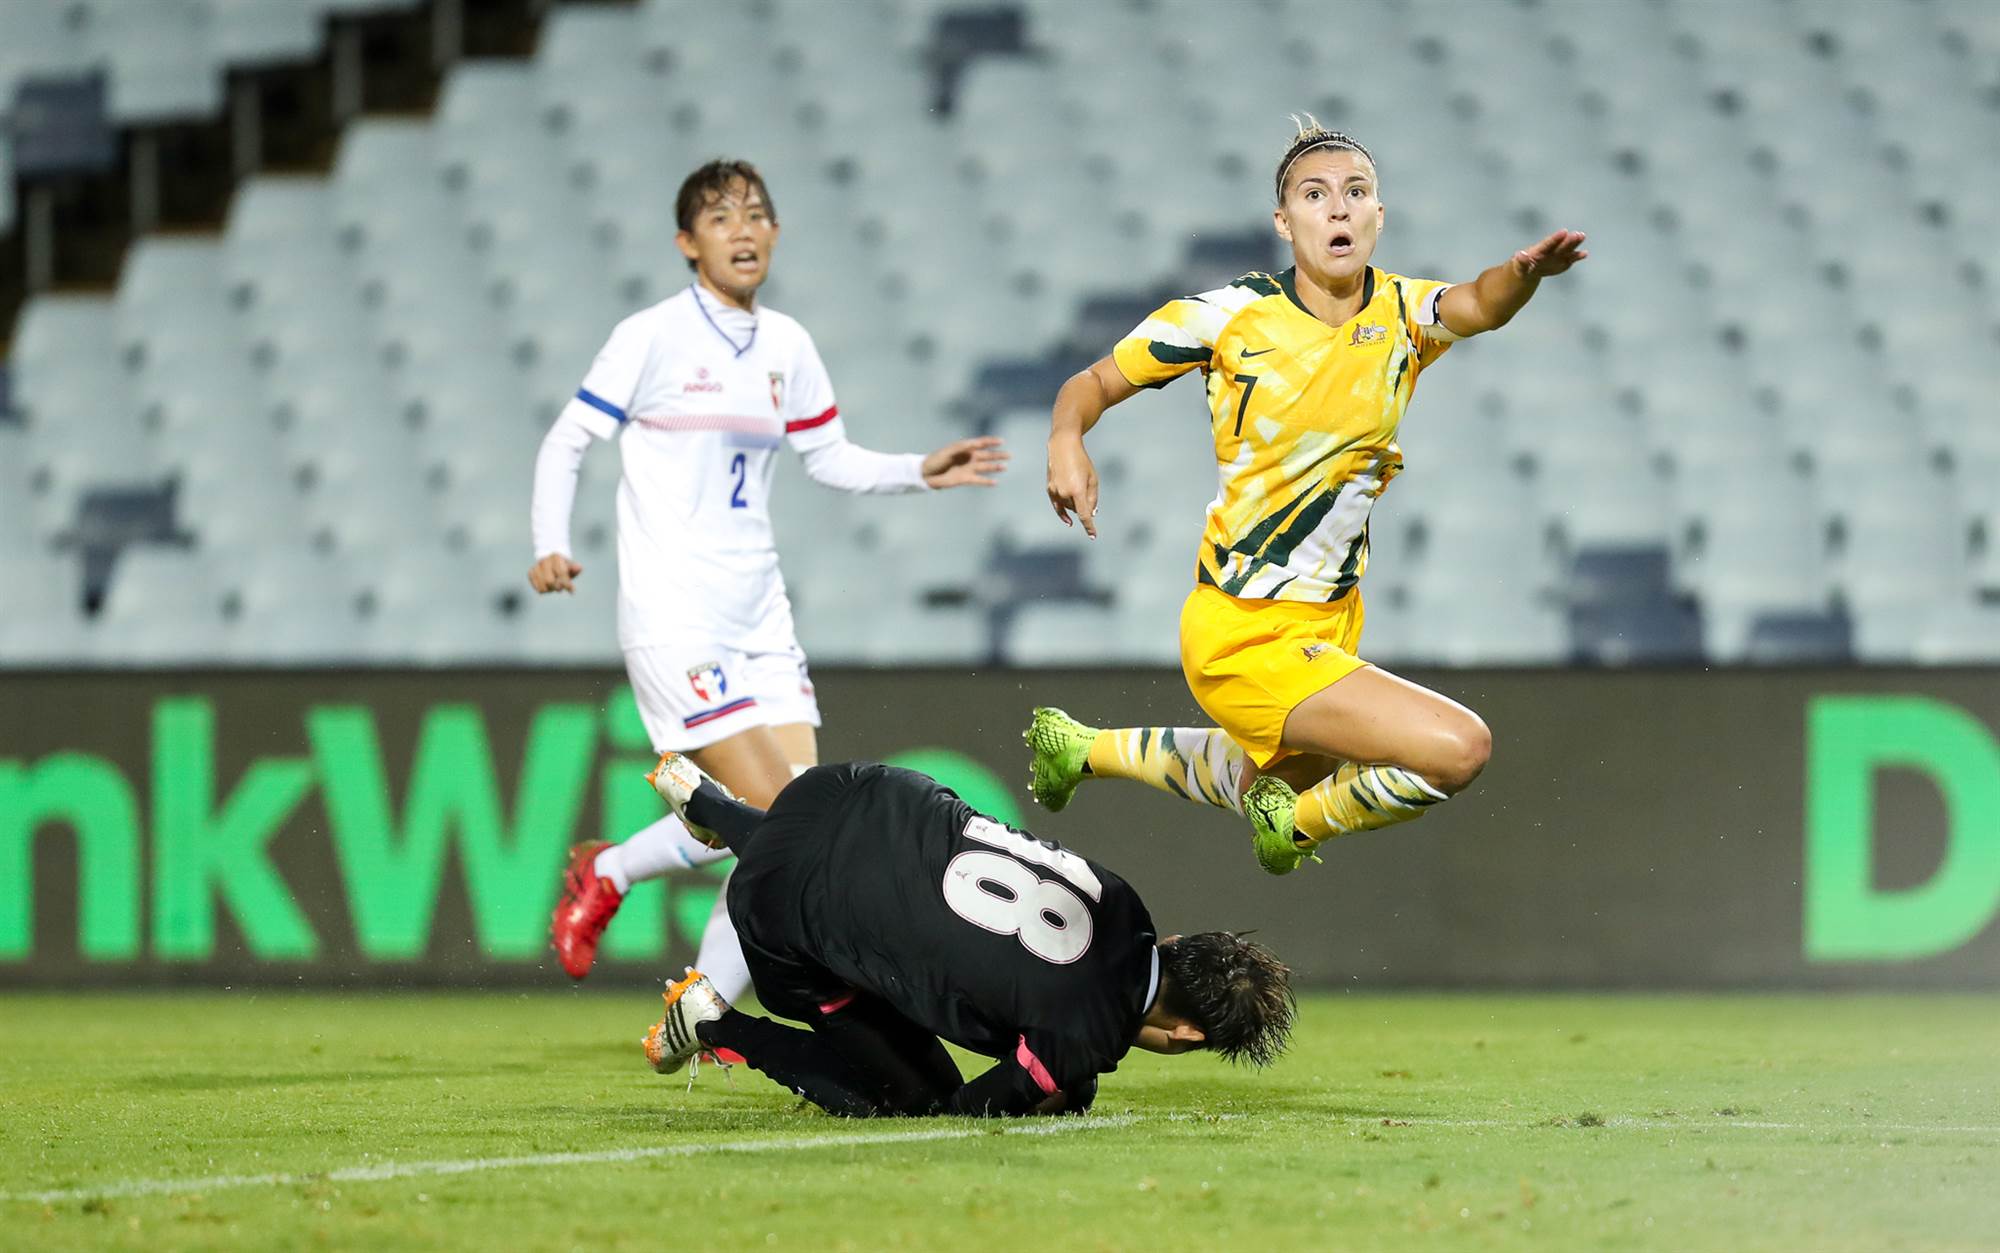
point(966, 463)
point(1073, 483)
point(554, 573)
point(1551, 257)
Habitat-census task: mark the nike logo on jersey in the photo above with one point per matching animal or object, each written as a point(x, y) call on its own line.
point(1260, 352)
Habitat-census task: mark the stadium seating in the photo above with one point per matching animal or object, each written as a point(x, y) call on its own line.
point(1746, 407)
point(162, 58)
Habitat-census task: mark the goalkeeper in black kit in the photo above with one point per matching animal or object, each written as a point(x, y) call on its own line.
point(879, 909)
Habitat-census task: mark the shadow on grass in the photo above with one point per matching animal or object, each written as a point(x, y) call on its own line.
point(769, 1116)
point(222, 1081)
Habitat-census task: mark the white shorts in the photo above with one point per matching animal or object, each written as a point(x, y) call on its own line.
point(691, 696)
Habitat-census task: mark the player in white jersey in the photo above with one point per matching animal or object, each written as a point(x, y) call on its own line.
point(700, 390)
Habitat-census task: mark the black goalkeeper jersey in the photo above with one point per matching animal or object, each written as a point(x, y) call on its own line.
point(878, 879)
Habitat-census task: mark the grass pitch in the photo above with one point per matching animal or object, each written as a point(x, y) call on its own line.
point(274, 1120)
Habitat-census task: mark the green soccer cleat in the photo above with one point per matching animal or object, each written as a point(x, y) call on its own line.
point(1270, 804)
point(1061, 747)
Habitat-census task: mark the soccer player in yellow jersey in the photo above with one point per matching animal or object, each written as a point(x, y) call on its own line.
point(1308, 373)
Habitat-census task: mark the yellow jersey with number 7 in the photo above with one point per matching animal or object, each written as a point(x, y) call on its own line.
point(1305, 418)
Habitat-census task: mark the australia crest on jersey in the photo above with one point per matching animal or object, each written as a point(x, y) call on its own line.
point(777, 391)
point(1371, 334)
point(707, 681)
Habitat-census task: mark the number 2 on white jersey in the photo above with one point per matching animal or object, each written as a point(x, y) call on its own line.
point(739, 465)
point(996, 892)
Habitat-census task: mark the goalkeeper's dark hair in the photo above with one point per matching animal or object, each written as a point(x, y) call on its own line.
point(714, 181)
point(1236, 991)
point(1312, 135)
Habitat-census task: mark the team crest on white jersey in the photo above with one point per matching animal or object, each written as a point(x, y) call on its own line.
point(707, 681)
point(778, 391)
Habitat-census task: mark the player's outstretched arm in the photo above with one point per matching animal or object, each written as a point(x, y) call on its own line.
point(966, 463)
point(1490, 301)
point(1080, 403)
point(831, 460)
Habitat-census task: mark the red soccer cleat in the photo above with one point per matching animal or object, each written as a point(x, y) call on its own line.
point(585, 908)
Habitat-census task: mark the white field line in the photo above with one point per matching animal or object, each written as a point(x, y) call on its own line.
point(473, 1165)
point(1702, 1123)
point(1716, 1122)
point(1753, 1124)
point(411, 1170)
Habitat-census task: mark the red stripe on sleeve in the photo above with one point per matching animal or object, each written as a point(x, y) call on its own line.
point(807, 424)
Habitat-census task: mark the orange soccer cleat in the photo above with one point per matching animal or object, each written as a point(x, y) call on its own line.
point(585, 908)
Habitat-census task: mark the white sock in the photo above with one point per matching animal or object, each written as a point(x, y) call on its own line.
point(721, 955)
point(648, 853)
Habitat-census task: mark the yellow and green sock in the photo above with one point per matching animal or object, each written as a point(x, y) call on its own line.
point(1196, 763)
point(1362, 798)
